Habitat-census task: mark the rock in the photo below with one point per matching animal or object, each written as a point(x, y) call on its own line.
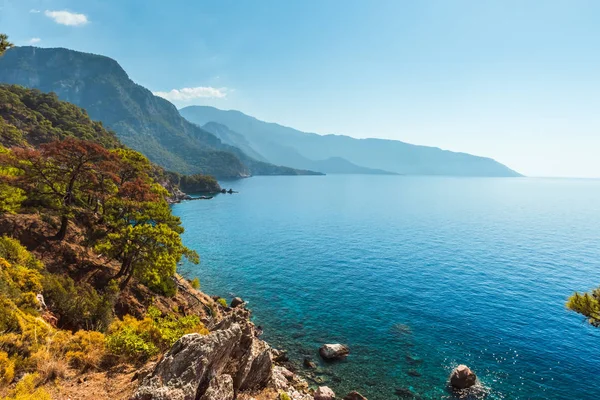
point(219, 388)
point(280, 356)
point(308, 363)
point(324, 393)
point(354, 396)
point(462, 377)
point(237, 301)
point(413, 372)
point(334, 351)
point(196, 364)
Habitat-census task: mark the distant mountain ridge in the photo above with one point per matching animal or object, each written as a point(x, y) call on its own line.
point(142, 121)
point(277, 143)
point(332, 165)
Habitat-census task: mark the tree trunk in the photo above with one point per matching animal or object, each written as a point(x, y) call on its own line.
point(124, 268)
point(62, 232)
point(126, 281)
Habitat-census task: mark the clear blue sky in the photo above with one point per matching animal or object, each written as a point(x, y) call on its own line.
point(518, 81)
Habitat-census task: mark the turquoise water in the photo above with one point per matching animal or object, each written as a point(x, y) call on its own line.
point(416, 275)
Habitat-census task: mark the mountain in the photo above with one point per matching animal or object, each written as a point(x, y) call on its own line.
point(142, 121)
point(289, 156)
point(277, 143)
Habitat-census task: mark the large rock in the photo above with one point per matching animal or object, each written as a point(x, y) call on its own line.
point(219, 388)
point(324, 393)
point(334, 351)
point(354, 396)
point(196, 366)
point(185, 372)
point(237, 301)
point(462, 377)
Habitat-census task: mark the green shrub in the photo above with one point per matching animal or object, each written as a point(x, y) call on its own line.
point(195, 283)
point(222, 302)
point(284, 396)
point(79, 307)
point(138, 340)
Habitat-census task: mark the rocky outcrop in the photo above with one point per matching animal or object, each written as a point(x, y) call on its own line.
point(324, 393)
point(334, 351)
point(228, 360)
point(219, 388)
point(462, 377)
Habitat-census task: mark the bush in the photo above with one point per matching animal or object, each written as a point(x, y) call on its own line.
point(20, 275)
point(222, 302)
point(26, 390)
point(86, 350)
point(138, 340)
point(80, 307)
point(195, 283)
point(49, 365)
point(7, 368)
point(284, 396)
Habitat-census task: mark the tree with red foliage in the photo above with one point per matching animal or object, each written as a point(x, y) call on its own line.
point(62, 172)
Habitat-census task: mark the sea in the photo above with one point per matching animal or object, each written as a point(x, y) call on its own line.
point(416, 275)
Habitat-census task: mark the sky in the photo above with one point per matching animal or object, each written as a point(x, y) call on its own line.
point(518, 81)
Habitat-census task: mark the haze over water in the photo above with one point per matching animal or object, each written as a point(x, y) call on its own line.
point(415, 274)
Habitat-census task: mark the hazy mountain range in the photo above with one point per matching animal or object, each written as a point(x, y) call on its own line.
point(341, 154)
point(226, 144)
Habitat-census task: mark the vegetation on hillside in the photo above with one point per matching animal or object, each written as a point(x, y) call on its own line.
point(85, 234)
point(195, 183)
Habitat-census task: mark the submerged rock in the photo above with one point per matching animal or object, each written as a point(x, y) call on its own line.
point(310, 364)
point(354, 396)
point(462, 377)
point(334, 351)
point(324, 393)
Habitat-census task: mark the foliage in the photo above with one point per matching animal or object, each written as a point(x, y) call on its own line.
point(4, 43)
point(26, 390)
point(11, 197)
point(588, 305)
point(284, 396)
point(222, 302)
point(82, 350)
point(79, 306)
point(7, 368)
point(195, 283)
point(61, 173)
point(138, 340)
point(20, 277)
point(197, 183)
point(31, 117)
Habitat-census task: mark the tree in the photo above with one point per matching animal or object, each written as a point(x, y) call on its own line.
point(149, 251)
point(4, 43)
point(61, 173)
point(588, 305)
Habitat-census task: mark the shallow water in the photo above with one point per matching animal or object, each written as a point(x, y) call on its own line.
point(416, 275)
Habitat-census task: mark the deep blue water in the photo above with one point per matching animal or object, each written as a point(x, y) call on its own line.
point(413, 273)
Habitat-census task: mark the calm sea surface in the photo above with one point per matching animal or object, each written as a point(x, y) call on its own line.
point(416, 275)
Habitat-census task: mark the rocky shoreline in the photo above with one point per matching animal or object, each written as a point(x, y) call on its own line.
point(231, 362)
